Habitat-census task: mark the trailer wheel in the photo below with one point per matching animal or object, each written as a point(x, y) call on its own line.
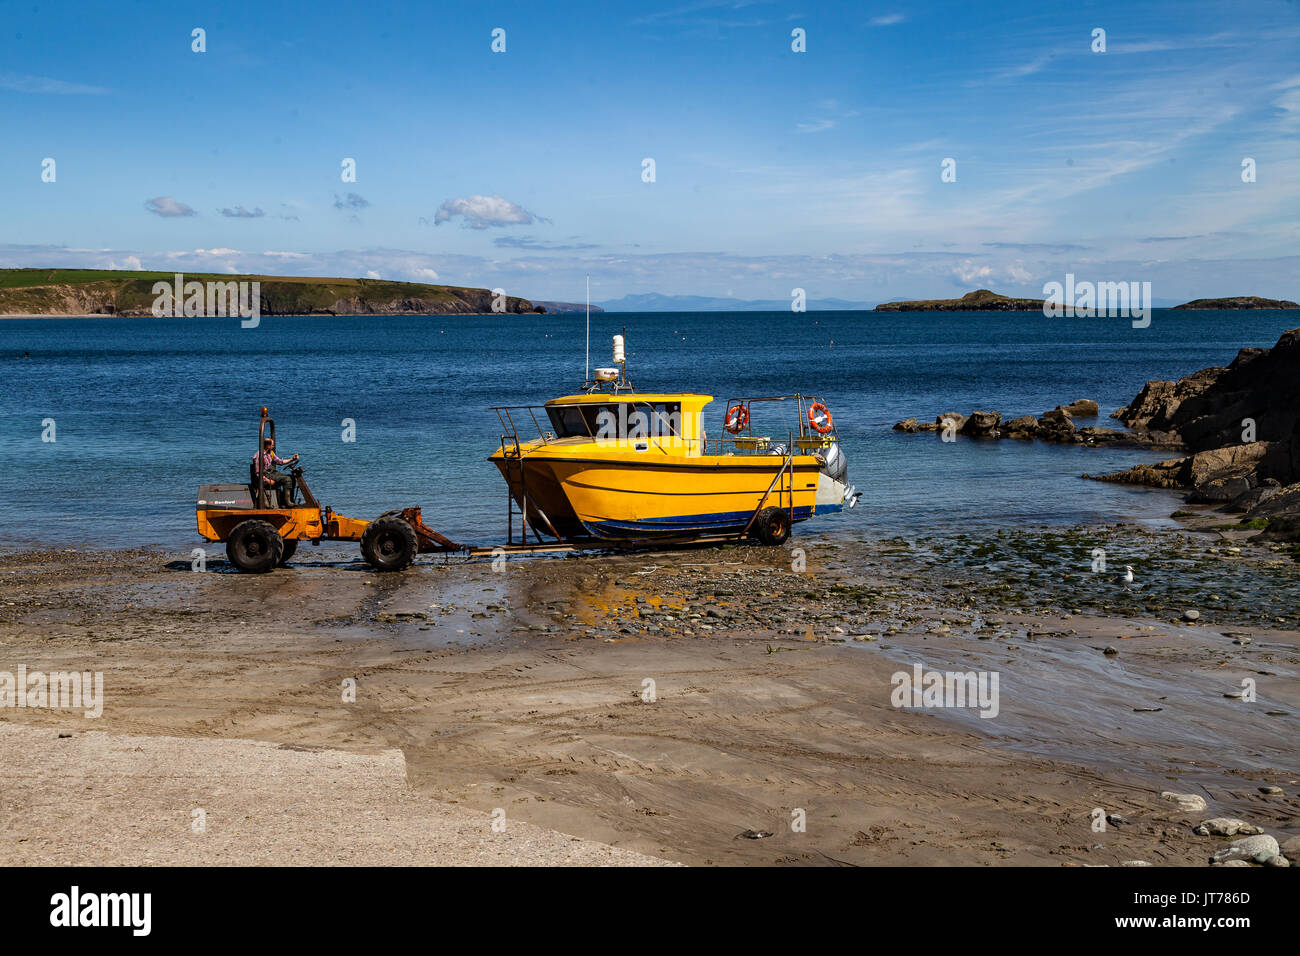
point(389, 544)
point(255, 546)
point(290, 546)
point(772, 526)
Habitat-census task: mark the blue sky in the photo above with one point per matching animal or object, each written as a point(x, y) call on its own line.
point(774, 169)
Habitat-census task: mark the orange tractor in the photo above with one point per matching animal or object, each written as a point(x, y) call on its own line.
point(261, 525)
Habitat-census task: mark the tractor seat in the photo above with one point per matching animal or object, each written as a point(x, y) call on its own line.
point(252, 489)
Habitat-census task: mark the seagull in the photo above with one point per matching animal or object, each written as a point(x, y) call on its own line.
point(1125, 579)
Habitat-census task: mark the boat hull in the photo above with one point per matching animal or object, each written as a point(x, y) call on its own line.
point(671, 497)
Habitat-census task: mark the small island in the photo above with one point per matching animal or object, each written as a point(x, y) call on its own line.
point(981, 300)
point(1239, 302)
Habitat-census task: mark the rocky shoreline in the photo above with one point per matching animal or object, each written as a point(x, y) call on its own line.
point(1057, 426)
point(1239, 423)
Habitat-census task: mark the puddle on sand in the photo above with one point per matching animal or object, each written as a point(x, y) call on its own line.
point(1063, 698)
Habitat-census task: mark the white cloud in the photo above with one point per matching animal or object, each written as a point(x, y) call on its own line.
point(888, 20)
point(167, 207)
point(482, 212)
point(967, 271)
point(816, 126)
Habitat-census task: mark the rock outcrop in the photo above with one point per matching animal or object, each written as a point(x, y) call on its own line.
point(1241, 424)
point(981, 425)
point(1081, 408)
point(1056, 425)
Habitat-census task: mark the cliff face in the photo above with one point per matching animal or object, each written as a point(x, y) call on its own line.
point(40, 292)
point(1240, 422)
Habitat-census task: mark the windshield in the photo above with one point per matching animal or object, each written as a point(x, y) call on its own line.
point(617, 420)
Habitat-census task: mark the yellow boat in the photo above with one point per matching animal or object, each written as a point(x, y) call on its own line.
point(613, 464)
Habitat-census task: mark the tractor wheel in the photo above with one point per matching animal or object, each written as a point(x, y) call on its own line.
point(290, 546)
point(389, 544)
point(255, 546)
point(772, 526)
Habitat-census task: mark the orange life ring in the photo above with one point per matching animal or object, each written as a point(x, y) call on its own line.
point(737, 419)
point(819, 417)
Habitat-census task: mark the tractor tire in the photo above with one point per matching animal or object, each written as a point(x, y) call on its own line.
point(290, 546)
point(255, 547)
point(772, 526)
point(389, 544)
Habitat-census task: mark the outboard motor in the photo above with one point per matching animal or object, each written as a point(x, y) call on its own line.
point(836, 467)
point(837, 463)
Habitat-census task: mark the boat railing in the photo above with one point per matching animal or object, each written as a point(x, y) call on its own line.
point(750, 440)
point(510, 442)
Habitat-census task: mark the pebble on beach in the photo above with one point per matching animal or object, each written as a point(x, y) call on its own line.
point(1227, 826)
point(1190, 802)
point(1259, 849)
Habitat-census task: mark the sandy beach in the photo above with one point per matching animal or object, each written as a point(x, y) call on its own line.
point(706, 706)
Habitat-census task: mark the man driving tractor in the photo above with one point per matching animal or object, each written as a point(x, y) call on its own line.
point(266, 463)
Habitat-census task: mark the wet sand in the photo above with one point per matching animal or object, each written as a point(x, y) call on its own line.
point(524, 690)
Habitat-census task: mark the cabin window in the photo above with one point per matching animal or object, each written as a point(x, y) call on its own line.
point(667, 421)
point(618, 420)
point(568, 420)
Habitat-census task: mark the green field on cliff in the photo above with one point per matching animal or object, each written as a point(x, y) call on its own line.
point(105, 291)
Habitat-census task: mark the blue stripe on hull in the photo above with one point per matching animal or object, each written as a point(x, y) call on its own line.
point(717, 522)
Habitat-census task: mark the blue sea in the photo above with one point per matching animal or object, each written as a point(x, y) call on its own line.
point(146, 410)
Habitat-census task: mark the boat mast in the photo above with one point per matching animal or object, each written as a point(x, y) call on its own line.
point(586, 374)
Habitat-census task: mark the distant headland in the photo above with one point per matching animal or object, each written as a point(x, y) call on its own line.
point(1239, 302)
point(88, 292)
point(983, 300)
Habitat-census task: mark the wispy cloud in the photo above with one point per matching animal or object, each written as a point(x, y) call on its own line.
point(527, 242)
point(1036, 246)
point(168, 208)
point(352, 201)
point(21, 83)
point(815, 126)
point(239, 212)
point(888, 20)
